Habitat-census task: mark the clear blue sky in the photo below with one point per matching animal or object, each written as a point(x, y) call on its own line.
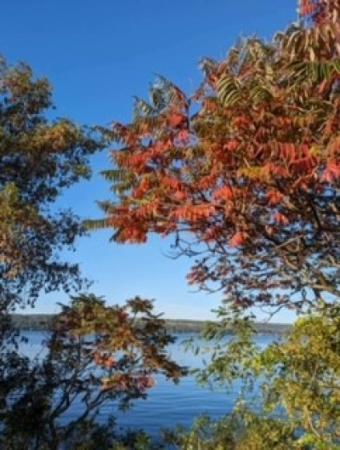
point(98, 55)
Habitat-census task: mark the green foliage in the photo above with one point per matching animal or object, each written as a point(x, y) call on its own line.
point(39, 158)
point(242, 430)
point(252, 174)
point(300, 391)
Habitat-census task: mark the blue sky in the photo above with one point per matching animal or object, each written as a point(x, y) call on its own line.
point(98, 55)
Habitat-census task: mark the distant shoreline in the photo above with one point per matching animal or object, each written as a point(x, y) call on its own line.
point(43, 322)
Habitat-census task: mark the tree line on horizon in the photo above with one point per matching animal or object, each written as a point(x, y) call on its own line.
point(244, 174)
point(44, 322)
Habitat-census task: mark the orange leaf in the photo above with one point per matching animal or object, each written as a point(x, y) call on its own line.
point(232, 145)
point(176, 119)
point(179, 195)
point(332, 172)
point(274, 198)
point(281, 219)
point(225, 193)
point(238, 239)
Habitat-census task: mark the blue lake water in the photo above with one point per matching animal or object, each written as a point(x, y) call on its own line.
point(168, 404)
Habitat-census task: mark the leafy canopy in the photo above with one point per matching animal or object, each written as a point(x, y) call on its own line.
point(291, 388)
point(245, 172)
point(95, 356)
point(38, 159)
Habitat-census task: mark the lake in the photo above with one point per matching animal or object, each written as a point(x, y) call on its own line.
point(168, 404)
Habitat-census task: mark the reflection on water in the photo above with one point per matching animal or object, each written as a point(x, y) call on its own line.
point(168, 404)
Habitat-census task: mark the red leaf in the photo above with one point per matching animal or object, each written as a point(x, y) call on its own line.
point(179, 195)
point(232, 145)
point(281, 219)
point(183, 136)
point(241, 122)
point(225, 193)
point(171, 183)
point(238, 239)
point(176, 119)
point(307, 7)
point(274, 198)
point(332, 172)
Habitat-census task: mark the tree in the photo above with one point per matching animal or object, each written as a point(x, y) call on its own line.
point(39, 158)
point(296, 387)
point(245, 172)
point(95, 355)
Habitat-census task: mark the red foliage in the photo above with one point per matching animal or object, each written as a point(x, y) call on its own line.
point(238, 239)
point(176, 120)
point(320, 11)
point(332, 172)
point(225, 193)
point(255, 166)
point(281, 219)
point(274, 198)
point(308, 7)
point(183, 136)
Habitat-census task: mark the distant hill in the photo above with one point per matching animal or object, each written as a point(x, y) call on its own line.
point(33, 322)
point(43, 322)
